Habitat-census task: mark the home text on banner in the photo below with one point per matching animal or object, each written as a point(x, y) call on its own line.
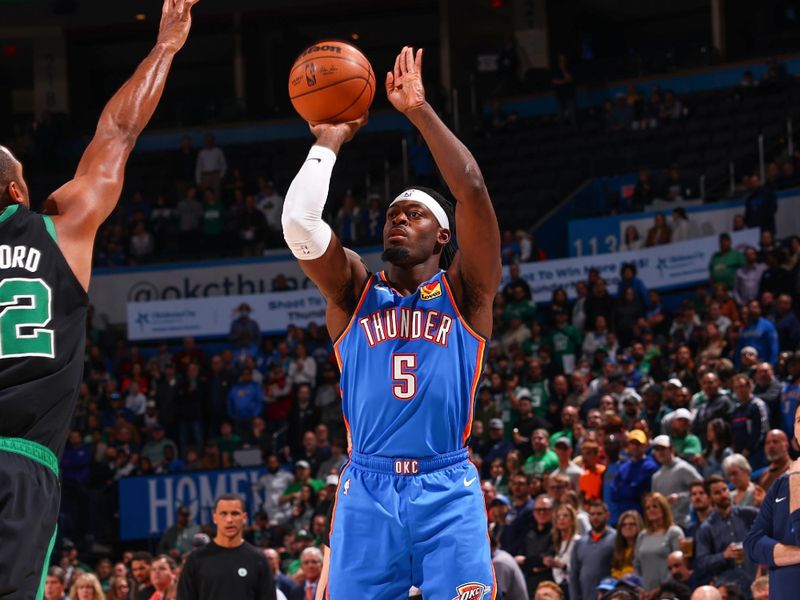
point(662, 267)
point(148, 505)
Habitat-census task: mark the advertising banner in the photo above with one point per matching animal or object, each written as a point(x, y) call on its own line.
point(212, 316)
point(112, 289)
point(148, 505)
point(663, 267)
point(603, 235)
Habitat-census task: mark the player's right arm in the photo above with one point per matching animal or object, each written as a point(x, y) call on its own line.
point(337, 271)
point(81, 205)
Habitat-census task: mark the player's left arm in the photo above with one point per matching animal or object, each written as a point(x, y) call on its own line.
point(82, 204)
point(477, 267)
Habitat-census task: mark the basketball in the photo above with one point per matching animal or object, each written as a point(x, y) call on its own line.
point(331, 82)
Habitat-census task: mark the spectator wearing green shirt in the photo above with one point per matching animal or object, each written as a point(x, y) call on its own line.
point(486, 407)
point(565, 341)
point(543, 460)
point(725, 262)
point(686, 444)
point(519, 306)
point(536, 382)
point(227, 440)
point(569, 416)
point(212, 224)
point(530, 347)
point(302, 476)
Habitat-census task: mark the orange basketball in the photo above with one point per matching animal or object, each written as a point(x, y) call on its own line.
point(331, 82)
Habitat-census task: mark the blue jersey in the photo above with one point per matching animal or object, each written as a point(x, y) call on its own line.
point(775, 524)
point(789, 398)
point(410, 368)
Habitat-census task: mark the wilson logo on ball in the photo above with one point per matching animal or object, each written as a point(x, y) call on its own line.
point(326, 48)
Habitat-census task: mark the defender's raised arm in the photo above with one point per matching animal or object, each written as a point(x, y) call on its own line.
point(81, 205)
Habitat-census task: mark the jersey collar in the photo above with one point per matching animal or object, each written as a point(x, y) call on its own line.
point(8, 211)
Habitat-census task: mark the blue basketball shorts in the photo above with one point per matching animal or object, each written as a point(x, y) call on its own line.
point(403, 522)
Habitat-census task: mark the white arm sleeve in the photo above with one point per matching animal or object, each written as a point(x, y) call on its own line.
point(304, 230)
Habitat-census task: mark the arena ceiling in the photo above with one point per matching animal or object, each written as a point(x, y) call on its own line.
point(89, 14)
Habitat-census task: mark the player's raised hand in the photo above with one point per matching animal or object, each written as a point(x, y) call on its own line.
point(176, 20)
point(404, 84)
point(336, 134)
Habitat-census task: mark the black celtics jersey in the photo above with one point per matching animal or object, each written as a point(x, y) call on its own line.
point(42, 331)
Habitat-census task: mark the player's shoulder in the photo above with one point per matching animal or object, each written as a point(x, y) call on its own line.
point(779, 487)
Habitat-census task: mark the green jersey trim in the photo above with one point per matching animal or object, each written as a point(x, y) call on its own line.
point(40, 593)
point(8, 211)
point(33, 450)
point(50, 226)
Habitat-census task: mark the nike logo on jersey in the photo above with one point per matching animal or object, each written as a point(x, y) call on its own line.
point(382, 288)
point(319, 160)
point(469, 482)
point(780, 499)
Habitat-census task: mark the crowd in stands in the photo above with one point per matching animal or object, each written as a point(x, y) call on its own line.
point(215, 211)
point(621, 444)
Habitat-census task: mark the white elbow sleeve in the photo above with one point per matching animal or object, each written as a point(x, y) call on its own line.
point(304, 230)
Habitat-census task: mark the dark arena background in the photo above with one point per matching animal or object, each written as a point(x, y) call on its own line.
point(643, 164)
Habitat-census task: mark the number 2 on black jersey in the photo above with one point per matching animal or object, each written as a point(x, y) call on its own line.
point(22, 326)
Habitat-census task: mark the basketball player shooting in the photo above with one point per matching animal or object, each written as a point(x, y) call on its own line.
point(45, 267)
point(410, 344)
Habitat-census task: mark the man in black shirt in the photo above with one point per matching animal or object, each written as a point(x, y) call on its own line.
point(228, 567)
point(140, 567)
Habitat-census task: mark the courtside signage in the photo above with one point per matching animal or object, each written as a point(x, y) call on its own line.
point(682, 264)
point(112, 289)
point(148, 505)
point(604, 235)
point(273, 312)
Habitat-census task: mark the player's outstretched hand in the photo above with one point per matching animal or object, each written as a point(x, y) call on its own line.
point(176, 20)
point(404, 84)
point(339, 133)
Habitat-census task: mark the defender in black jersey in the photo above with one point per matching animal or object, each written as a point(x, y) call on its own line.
point(45, 267)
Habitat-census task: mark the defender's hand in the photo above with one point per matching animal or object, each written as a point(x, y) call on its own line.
point(404, 85)
point(176, 20)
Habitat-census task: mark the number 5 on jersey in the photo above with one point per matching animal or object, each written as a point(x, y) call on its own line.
point(404, 381)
